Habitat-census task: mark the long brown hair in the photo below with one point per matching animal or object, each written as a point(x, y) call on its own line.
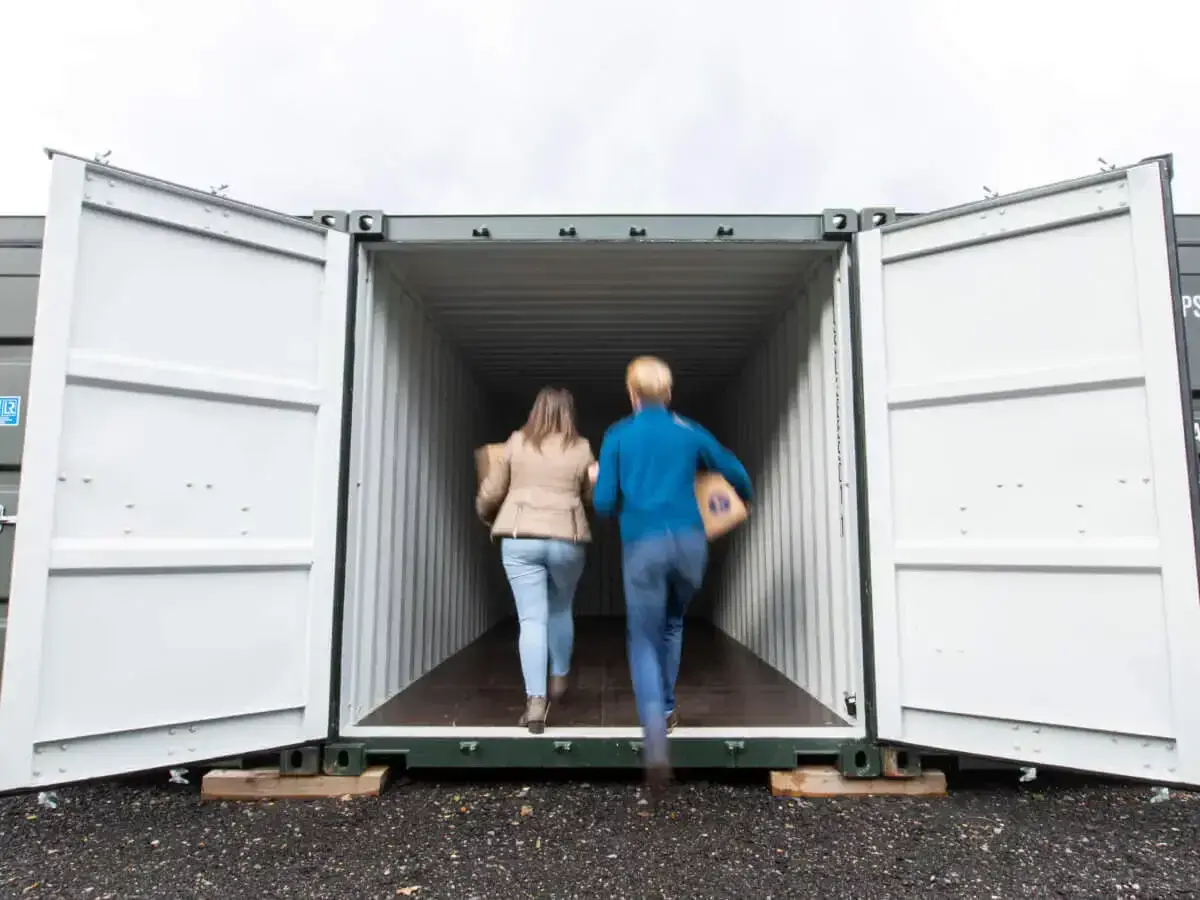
point(553, 413)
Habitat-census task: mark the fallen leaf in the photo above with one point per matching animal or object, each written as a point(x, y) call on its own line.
point(408, 891)
point(527, 810)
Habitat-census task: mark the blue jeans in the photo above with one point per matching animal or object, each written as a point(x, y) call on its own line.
point(662, 574)
point(543, 574)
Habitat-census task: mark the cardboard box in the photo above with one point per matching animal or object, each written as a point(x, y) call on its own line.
point(484, 457)
point(720, 507)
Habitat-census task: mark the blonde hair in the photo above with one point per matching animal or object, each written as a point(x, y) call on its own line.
point(553, 413)
point(649, 379)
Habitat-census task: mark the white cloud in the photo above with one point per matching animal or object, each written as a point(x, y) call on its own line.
point(513, 106)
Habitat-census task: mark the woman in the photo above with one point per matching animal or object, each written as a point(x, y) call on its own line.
point(539, 485)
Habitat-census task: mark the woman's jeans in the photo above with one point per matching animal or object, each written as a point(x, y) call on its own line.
point(544, 574)
point(662, 574)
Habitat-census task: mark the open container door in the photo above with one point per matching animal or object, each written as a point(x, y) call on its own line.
point(172, 594)
point(1033, 551)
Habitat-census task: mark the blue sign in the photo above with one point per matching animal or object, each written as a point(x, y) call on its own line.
point(718, 504)
point(10, 411)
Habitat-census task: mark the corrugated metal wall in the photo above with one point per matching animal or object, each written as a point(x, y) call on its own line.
point(782, 584)
point(423, 578)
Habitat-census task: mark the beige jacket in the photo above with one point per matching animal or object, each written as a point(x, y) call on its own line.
point(538, 493)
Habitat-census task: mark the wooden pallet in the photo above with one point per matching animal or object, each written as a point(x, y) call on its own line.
point(269, 784)
point(827, 781)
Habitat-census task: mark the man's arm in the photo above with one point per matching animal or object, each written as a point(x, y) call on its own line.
point(605, 494)
point(723, 462)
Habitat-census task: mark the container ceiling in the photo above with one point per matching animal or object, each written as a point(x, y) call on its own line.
point(525, 315)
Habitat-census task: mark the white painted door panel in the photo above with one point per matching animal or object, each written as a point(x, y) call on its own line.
point(172, 594)
point(1033, 559)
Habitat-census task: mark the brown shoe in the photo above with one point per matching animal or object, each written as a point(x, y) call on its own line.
point(672, 721)
point(534, 717)
point(558, 687)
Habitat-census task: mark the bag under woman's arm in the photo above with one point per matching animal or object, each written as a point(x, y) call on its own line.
point(494, 487)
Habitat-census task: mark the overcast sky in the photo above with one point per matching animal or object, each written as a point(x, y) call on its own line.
point(549, 106)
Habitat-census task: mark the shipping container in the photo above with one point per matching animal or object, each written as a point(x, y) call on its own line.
point(247, 487)
point(20, 261)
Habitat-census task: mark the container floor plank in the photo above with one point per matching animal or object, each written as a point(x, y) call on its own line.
point(827, 781)
point(268, 784)
point(721, 684)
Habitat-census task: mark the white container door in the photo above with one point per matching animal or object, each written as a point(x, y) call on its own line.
point(172, 593)
point(1032, 548)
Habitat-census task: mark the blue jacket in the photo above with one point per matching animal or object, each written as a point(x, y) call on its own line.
point(648, 466)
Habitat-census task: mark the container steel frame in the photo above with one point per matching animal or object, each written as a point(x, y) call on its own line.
point(859, 757)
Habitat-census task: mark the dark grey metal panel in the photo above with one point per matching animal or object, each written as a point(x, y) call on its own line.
point(21, 229)
point(1187, 229)
point(20, 266)
point(20, 260)
point(14, 382)
point(1190, 288)
point(8, 497)
point(18, 307)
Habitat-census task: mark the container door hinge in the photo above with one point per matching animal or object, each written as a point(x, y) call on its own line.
point(6, 519)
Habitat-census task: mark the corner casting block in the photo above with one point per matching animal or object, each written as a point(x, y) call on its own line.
point(337, 219)
point(344, 759)
point(899, 762)
point(300, 761)
point(1167, 161)
point(838, 224)
point(859, 760)
point(876, 217)
point(367, 224)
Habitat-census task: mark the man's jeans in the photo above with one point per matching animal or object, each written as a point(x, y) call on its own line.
point(543, 575)
point(662, 574)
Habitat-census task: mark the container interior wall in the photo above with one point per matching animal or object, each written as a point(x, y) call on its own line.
point(786, 585)
point(424, 578)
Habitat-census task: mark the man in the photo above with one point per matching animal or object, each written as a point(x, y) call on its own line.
point(646, 475)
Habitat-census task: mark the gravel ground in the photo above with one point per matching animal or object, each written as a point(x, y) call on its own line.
point(537, 838)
